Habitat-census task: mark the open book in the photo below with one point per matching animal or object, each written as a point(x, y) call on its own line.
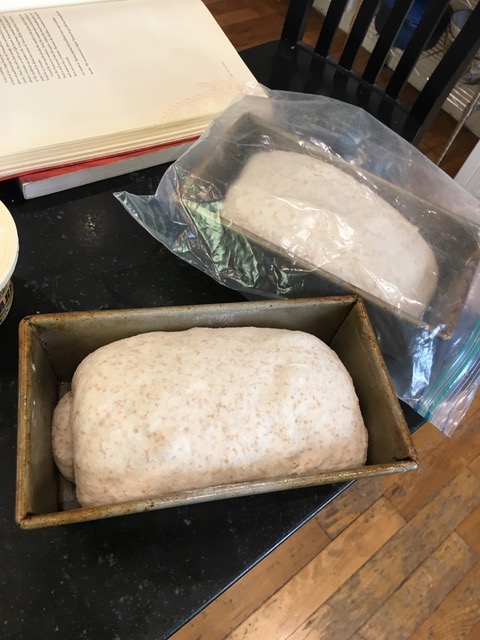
point(81, 80)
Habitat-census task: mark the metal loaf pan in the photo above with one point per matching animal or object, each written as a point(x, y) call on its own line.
point(52, 346)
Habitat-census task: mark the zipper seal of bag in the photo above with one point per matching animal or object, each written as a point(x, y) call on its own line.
point(461, 372)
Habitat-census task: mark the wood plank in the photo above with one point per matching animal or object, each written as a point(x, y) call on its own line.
point(454, 158)
point(224, 7)
point(228, 12)
point(433, 155)
point(436, 469)
point(354, 501)
point(469, 529)
point(441, 129)
point(475, 465)
point(340, 513)
point(428, 438)
point(262, 7)
point(439, 134)
point(279, 616)
point(246, 23)
point(373, 583)
point(254, 32)
point(235, 17)
point(238, 602)
point(458, 614)
point(221, 7)
point(422, 592)
point(474, 633)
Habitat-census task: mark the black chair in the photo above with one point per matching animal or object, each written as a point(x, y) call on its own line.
point(292, 65)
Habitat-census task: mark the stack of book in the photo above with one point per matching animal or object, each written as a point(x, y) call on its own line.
point(90, 89)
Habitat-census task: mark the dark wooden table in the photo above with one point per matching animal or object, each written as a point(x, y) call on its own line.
point(136, 577)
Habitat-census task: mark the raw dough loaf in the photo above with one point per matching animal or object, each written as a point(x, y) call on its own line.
point(320, 214)
point(62, 437)
point(163, 412)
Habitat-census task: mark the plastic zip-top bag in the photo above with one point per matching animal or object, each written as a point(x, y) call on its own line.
point(294, 195)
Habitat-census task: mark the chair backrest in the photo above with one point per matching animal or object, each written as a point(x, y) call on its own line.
point(452, 64)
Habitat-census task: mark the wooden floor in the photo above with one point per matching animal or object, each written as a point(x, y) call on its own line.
point(390, 559)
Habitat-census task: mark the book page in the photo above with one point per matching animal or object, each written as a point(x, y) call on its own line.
point(95, 70)
point(23, 5)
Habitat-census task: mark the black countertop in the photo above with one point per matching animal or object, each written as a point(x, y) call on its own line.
point(135, 577)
